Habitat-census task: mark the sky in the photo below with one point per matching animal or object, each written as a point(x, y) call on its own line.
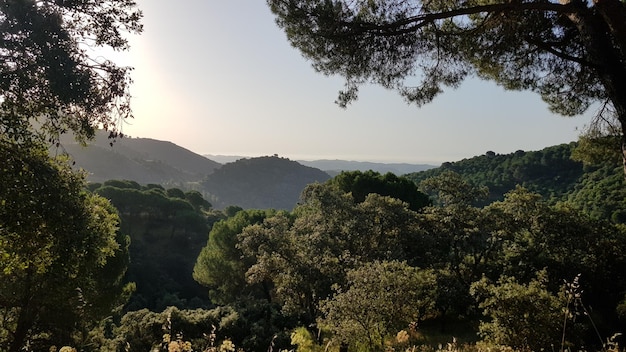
point(220, 77)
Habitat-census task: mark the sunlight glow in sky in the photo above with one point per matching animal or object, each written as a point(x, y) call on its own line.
point(219, 77)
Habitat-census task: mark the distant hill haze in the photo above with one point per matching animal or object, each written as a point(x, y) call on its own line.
point(264, 182)
point(261, 183)
point(335, 166)
point(274, 182)
point(142, 160)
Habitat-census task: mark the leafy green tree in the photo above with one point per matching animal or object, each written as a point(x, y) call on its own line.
point(302, 257)
point(125, 184)
point(167, 233)
point(61, 258)
point(601, 189)
point(145, 330)
point(381, 298)
point(526, 317)
point(57, 240)
point(360, 184)
point(451, 188)
point(197, 200)
point(221, 265)
point(565, 242)
point(175, 193)
point(48, 78)
point(571, 52)
point(517, 237)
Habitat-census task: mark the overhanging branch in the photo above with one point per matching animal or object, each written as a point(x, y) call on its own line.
point(414, 23)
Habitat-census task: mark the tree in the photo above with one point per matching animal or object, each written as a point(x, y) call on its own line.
point(381, 298)
point(59, 250)
point(221, 266)
point(566, 243)
point(452, 189)
point(167, 233)
point(61, 258)
point(360, 184)
point(572, 52)
point(526, 317)
point(47, 78)
point(305, 255)
point(197, 200)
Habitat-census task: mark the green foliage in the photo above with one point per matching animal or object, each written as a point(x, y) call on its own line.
point(566, 243)
point(221, 266)
point(570, 53)
point(518, 237)
point(144, 330)
point(303, 268)
point(305, 341)
point(122, 184)
point(48, 75)
point(550, 172)
point(600, 193)
point(61, 257)
point(175, 193)
point(593, 148)
point(361, 184)
point(197, 200)
point(526, 317)
point(452, 189)
point(167, 232)
point(380, 298)
point(556, 173)
point(302, 258)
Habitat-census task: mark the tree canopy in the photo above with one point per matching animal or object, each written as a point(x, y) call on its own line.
point(354, 272)
point(572, 52)
point(49, 81)
point(361, 184)
point(62, 259)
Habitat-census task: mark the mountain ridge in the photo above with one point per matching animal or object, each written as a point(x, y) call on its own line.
point(143, 160)
point(335, 166)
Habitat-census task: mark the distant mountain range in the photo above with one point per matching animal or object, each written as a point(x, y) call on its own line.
point(142, 160)
point(333, 167)
point(261, 182)
point(275, 182)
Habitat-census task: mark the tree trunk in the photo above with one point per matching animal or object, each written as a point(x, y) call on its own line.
point(20, 334)
point(23, 325)
point(614, 14)
point(604, 35)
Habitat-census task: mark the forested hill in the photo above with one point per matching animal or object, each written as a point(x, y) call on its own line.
point(142, 160)
point(550, 172)
point(260, 183)
point(598, 189)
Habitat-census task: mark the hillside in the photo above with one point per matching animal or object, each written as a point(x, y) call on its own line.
point(599, 190)
point(550, 172)
point(260, 183)
point(142, 160)
point(335, 166)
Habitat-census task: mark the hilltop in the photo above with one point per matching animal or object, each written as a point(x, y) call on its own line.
point(263, 182)
point(143, 160)
point(335, 166)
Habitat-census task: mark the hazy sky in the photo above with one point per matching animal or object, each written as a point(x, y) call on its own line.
point(219, 77)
